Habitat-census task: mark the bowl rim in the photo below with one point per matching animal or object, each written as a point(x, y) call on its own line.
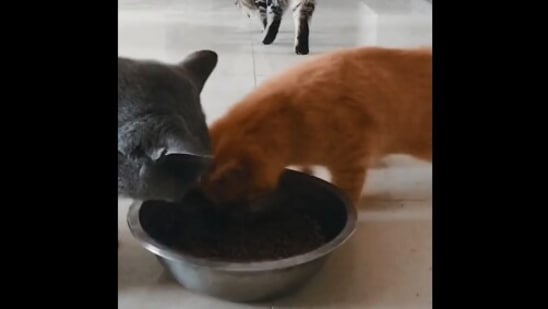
point(165, 252)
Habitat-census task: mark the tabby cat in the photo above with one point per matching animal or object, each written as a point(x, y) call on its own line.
point(343, 110)
point(271, 12)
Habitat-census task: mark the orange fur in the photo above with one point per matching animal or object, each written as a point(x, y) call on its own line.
point(342, 110)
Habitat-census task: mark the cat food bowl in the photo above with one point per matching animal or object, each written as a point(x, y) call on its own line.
point(250, 258)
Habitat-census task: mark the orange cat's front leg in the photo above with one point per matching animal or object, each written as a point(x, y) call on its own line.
point(350, 179)
point(307, 170)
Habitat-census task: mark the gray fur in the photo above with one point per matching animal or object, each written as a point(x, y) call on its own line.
point(163, 139)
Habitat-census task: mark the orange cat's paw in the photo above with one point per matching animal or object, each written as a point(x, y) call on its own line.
point(308, 170)
point(380, 165)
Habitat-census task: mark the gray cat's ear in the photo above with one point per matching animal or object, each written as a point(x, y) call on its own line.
point(200, 64)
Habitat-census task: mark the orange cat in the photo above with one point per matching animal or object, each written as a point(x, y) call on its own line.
point(342, 110)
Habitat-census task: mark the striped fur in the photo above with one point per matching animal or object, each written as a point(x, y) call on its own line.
point(270, 13)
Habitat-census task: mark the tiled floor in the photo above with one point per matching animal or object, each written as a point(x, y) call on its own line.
point(387, 264)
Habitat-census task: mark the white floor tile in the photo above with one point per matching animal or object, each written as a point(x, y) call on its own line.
point(385, 265)
point(222, 91)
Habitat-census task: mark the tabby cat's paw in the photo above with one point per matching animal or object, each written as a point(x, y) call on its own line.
point(268, 39)
point(271, 32)
point(301, 49)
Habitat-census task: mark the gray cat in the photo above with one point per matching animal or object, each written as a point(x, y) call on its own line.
point(163, 140)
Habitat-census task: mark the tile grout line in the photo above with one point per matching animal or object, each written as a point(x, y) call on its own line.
point(253, 58)
point(254, 72)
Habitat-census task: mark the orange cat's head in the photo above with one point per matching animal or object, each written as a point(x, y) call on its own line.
point(238, 177)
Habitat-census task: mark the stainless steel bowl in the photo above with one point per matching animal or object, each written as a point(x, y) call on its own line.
point(257, 280)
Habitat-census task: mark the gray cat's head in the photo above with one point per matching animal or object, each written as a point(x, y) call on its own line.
point(163, 140)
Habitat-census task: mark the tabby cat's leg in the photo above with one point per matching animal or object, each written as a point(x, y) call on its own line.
point(261, 6)
point(275, 12)
point(302, 14)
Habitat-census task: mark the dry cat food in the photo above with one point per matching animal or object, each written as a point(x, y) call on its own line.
point(278, 237)
point(203, 232)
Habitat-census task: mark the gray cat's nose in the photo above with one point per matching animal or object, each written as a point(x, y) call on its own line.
point(187, 166)
point(170, 177)
point(143, 171)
